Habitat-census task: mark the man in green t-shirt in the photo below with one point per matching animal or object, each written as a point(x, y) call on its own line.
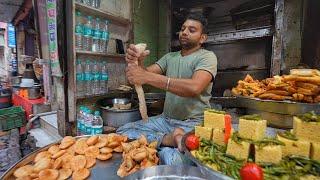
point(187, 77)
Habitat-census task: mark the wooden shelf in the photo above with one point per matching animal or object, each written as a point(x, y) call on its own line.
point(92, 96)
point(102, 14)
point(89, 53)
point(110, 93)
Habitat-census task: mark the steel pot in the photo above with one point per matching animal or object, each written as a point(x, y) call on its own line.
point(154, 101)
point(16, 79)
point(116, 118)
point(15, 88)
point(34, 92)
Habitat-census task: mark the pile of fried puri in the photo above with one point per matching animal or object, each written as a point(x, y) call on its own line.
point(300, 86)
point(71, 158)
point(137, 155)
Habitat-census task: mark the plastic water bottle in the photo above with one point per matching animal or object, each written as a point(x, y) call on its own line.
point(102, 27)
point(96, 36)
point(88, 122)
point(87, 78)
point(96, 78)
point(80, 120)
point(104, 78)
point(87, 34)
point(80, 78)
point(97, 124)
point(78, 30)
point(104, 37)
point(95, 3)
point(83, 118)
point(87, 2)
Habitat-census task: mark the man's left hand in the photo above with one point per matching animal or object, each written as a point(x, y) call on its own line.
point(136, 74)
point(177, 135)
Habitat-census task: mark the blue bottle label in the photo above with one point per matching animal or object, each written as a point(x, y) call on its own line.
point(104, 35)
point(88, 130)
point(82, 127)
point(97, 130)
point(96, 76)
point(87, 31)
point(87, 76)
point(79, 29)
point(79, 76)
point(79, 125)
point(96, 34)
point(104, 77)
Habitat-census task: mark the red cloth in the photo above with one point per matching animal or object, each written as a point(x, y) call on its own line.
point(27, 105)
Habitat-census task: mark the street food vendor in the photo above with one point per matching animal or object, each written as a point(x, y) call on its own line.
point(187, 77)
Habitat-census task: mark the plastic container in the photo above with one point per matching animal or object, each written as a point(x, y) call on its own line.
point(11, 118)
point(87, 35)
point(79, 31)
point(95, 78)
point(97, 124)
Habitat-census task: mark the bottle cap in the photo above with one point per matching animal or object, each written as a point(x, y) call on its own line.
point(97, 113)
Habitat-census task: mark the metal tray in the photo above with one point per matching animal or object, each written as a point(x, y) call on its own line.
point(102, 170)
point(212, 174)
point(281, 107)
point(208, 172)
point(166, 172)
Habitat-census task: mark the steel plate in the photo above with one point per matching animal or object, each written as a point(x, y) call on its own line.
point(212, 174)
point(280, 107)
point(166, 172)
point(102, 170)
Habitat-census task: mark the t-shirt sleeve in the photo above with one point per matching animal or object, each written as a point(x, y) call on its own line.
point(207, 62)
point(163, 63)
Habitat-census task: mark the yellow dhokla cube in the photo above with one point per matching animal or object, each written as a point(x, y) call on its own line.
point(252, 129)
point(309, 177)
point(218, 136)
point(214, 120)
point(309, 131)
point(292, 147)
point(268, 154)
point(315, 151)
point(239, 150)
point(203, 132)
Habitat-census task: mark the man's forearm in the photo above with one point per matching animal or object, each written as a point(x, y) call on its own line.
point(180, 87)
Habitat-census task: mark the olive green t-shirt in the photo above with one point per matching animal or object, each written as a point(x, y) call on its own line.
point(174, 65)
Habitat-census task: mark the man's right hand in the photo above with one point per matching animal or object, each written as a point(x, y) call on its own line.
point(133, 56)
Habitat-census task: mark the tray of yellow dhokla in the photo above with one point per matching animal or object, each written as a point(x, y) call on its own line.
point(236, 150)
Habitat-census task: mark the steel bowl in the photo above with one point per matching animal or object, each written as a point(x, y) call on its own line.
point(34, 92)
point(120, 101)
point(118, 117)
point(154, 102)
